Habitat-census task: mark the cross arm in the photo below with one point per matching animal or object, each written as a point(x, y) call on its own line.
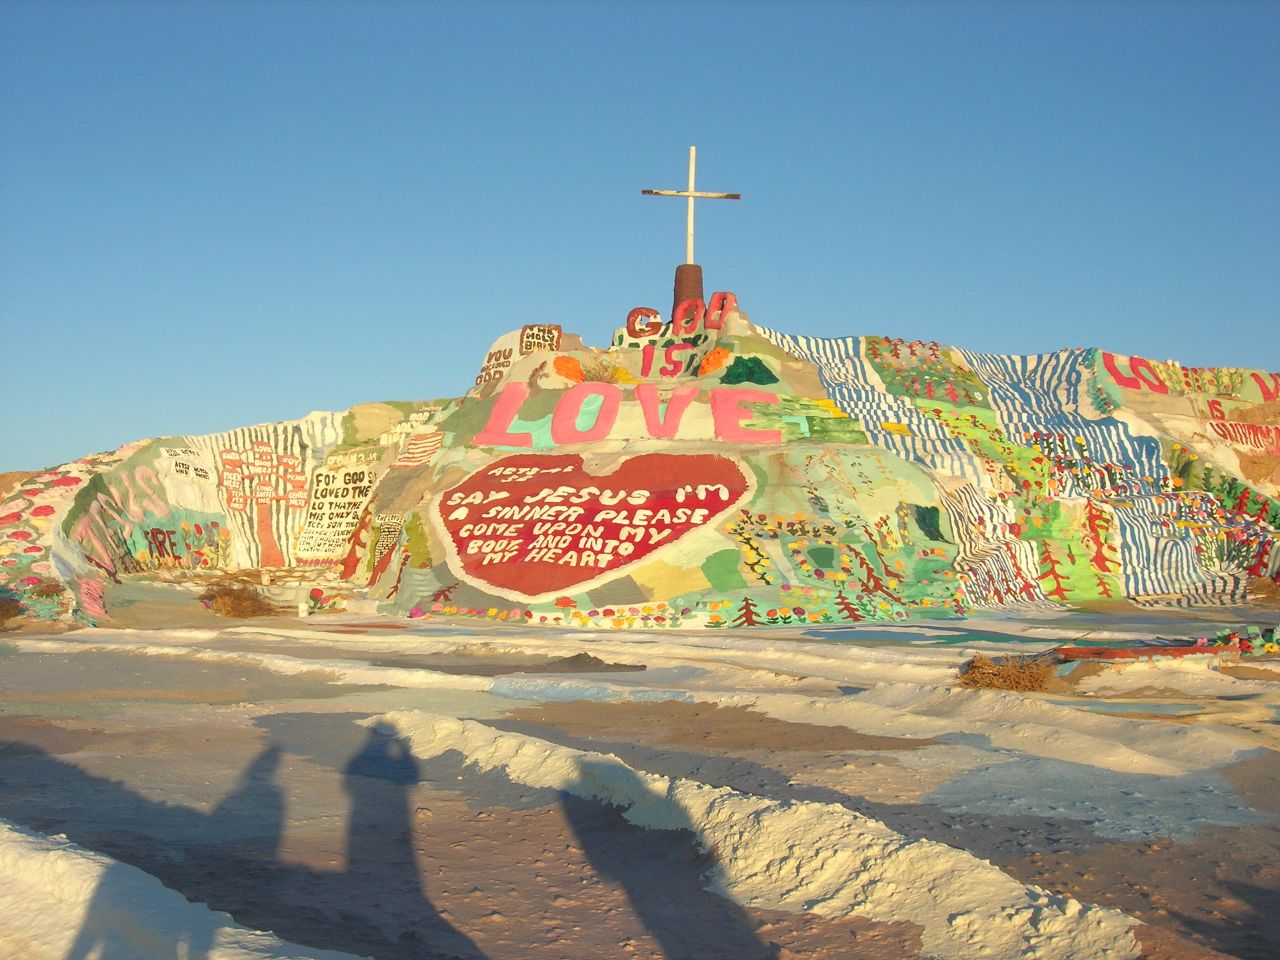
point(691, 193)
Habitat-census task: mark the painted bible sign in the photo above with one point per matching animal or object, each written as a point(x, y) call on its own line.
point(532, 526)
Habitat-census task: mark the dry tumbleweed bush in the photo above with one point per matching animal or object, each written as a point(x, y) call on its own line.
point(231, 601)
point(1011, 673)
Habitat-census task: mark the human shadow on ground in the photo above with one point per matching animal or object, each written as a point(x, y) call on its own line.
point(999, 838)
point(664, 873)
point(108, 933)
point(1250, 932)
point(380, 839)
point(992, 837)
point(229, 858)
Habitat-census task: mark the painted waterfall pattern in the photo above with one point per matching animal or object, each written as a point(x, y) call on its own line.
point(704, 473)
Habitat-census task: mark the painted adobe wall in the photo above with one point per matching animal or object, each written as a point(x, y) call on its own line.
point(701, 472)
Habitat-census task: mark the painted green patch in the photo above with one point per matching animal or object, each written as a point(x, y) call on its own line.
point(721, 571)
point(836, 430)
point(824, 557)
point(929, 520)
point(749, 370)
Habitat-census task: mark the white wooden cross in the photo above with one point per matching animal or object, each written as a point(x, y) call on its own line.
point(692, 195)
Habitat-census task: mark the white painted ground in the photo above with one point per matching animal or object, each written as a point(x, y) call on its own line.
point(1061, 755)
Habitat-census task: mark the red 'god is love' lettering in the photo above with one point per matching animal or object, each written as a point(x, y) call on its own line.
point(532, 526)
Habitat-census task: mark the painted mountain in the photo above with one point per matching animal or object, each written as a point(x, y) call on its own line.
point(699, 472)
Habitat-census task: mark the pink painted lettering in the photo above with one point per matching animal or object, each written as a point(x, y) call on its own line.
point(729, 407)
point(504, 412)
point(721, 305)
point(564, 421)
point(660, 427)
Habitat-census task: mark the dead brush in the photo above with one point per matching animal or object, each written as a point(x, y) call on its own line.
point(228, 600)
point(10, 609)
point(599, 370)
point(1010, 673)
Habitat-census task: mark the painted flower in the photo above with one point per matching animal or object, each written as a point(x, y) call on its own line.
point(44, 510)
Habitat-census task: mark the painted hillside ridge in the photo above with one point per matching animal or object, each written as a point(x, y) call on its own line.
point(700, 472)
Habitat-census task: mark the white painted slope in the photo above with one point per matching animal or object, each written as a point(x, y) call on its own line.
point(58, 900)
point(802, 856)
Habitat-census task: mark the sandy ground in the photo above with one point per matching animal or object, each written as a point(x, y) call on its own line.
point(1220, 891)
point(262, 794)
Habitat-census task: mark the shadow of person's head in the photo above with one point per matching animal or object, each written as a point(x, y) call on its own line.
point(384, 755)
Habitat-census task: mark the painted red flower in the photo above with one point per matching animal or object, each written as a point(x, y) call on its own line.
point(67, 482)
point(10, 518)
point(43, 511)
point(29, 581)
point(34, 548)
point(20, 535)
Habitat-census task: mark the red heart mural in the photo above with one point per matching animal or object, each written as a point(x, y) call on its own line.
point(532, 526)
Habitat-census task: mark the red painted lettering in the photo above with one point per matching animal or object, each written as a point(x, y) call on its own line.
point(687, 317)
point(674, 367)
point(1269, 391)
point(644, 322)
point(1145, 376)
point(721, 305)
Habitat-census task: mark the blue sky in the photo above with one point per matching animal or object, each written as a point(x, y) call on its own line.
point(216, 214)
